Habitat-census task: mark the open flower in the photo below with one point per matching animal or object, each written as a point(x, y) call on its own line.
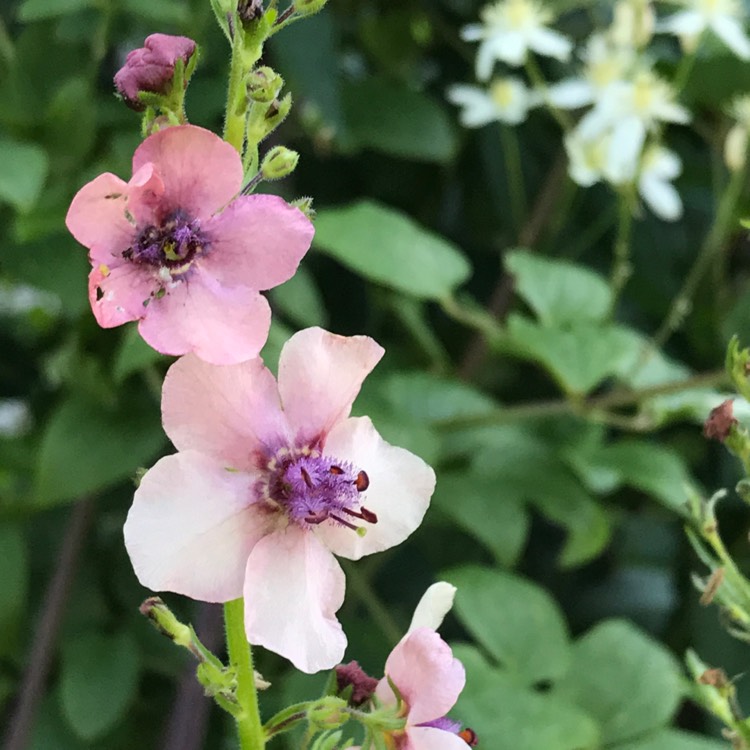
point(509, 29)
point(151, 68)
point(723, 17)
point(507, 100)
point(177, 250)
point(270, 480)
point(659, 167)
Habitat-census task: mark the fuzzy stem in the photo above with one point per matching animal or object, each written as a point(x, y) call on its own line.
point(234, 120)
point(249, 726)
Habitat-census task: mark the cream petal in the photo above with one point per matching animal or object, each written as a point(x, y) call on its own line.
point(730, 31)
point(434, 605)
point(293, 589)
point(661, 197)
point(548, 42)
point(399, 492)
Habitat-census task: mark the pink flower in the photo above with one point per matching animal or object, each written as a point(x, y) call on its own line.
point(177, 250)
point(151, 67)
point(269, 481)
point(429, 681)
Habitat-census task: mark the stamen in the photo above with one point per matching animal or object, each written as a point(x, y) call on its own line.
point(362, 482)
point(340, 520)
point(363, 513)
point(306, 477)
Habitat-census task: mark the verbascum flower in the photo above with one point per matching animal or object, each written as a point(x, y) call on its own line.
point(506, 100)
point(177, 249)
point(270, 481)
point(509, 30)
point(151, 68)
point(725, 18)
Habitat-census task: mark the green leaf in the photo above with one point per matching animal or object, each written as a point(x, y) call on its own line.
point(23, 174)
point(388, 247)
point(36, 10)
point(516, 621)
point(14, 583)
point(627, 681)
point(98, 681)
point(386, 116)
point(579, 357)
point(484, 509)
point(133, 355)
point(672, 739)
point(507, 716)
point(558, 291)
point(86, 448)
point(299, 300)
point(165, 11)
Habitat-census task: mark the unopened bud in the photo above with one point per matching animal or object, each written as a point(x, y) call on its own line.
point(354, 683)
point(735, 148)
point(308, 7)
point(264, 85)
point(720, 422)
point(277, 112)
point(305, 205)
point(278, 163)
point(328, 713)
point(249, 10)
point(165, 622)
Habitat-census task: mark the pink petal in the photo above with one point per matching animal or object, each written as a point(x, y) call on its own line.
point(117, 294)
point(201, 172)
point(430, 738)
point(429, 679)
point(192, 526)
point(96, 218)
point(257, 241)
point(293, 588)
point(220, 325)
point(320, 375)
point(228, 412)
point(401, 485)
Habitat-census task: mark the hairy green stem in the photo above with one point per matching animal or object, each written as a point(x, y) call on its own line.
point(249, 726)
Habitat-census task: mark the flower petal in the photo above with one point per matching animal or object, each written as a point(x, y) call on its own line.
point(221, 325)
point(399, 492)
point(191, 527)
point(97, 218)
point(201, 172)
point(730, 31)
point(662, 197)
point(548, 42)
point(571, 93)
point(119, 294)
point(228, 411)
point(423, 669)
point(684, 23)
point(429, 738)
point(257, 242)
point(293, 588)
point(320, 375)
point(432, 608)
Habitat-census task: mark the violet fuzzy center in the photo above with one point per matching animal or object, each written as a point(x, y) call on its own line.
point(311, 489)
point(172, 245)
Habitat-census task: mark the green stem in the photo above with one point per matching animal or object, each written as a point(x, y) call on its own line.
point(537, 78)
point(685, 68)
point(514, 172)
point(621, 266)
point(234, 120)
point(249, 727)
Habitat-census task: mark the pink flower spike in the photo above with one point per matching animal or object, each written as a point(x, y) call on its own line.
point(177, 249)
point(297, 499)
point(151, 67)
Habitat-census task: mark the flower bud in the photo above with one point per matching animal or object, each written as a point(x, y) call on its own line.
point(249, 10)
point(165, 622)
point(305, 205)
point(720, 422)
point(735, 148)
point(264, 85)
point(308, 7)
point(327, 713)
point(352, 676)
point(277, 112)
point(151, 68)
point(278, 163)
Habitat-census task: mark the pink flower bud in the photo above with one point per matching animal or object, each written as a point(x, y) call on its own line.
point(151, 67)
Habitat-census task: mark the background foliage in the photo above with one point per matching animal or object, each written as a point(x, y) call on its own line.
point(561, 489)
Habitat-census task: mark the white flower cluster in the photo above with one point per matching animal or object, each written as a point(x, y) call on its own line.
point(619, 137)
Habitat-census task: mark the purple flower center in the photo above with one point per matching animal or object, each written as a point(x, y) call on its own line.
point(311, 488)
point(172, 246)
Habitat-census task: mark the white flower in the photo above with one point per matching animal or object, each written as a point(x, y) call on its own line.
point(735, 145)
point(658, 168)
point(507, 100)
point(633, 24)
point(587, 159)
point(434, 605)
point(723, 17)
point(509, 29)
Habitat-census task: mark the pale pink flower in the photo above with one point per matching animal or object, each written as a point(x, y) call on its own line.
point(177, 249)
point(428, 680)
point(151, 68)
point(270, 480)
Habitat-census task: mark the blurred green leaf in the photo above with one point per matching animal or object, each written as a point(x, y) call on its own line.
point(86, 448)
point(36, 10)
point(624, 679)
point(558, 291)
point(388, 247)
point(14, 583)
point(671, 739)
point(388, 117)
point(509, 717)
point(299, 300)
point(487, 510)
point(133, 355)
point(24, 170)
point(165, 11)
point(98, 681)
point(516, 621)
